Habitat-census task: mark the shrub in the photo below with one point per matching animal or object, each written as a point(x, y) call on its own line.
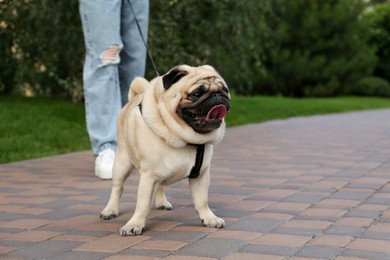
point(294, 48)
point(371, 86)
point(44, 38)
point(42, 43)
point(316, 47)
point(378, 20)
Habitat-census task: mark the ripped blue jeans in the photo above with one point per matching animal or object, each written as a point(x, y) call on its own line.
point(115, 54)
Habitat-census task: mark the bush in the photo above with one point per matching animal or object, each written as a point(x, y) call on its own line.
point(8, 62)
point(316, 47)
point(44, 39)
point(42, 43)
point(378, 20)
point(371, 86)
point(295, 48)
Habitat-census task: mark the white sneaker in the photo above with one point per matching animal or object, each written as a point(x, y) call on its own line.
point(104, 163)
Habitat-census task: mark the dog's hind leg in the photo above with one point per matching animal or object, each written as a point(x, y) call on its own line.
point(121, 171)
point(161, 201)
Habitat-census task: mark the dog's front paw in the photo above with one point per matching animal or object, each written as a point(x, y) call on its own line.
point(131, 230)
point(109, 214)
point(166, 205)
point(214, 222)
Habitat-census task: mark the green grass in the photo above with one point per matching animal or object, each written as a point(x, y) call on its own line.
point(37, 127)
point(259, 109)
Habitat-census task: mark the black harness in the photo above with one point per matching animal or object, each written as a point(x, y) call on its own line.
point(195, 171)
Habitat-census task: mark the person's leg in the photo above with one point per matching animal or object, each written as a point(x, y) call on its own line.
point(101, 27)
point(133, 55)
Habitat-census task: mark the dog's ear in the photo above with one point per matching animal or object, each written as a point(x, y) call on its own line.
point(173, 76)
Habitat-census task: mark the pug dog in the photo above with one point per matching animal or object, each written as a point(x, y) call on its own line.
point(167, 130)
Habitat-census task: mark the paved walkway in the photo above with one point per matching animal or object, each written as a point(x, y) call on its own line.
point(303, 188)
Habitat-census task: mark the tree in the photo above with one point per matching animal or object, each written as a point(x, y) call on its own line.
point(315, 48)
point(378, 20)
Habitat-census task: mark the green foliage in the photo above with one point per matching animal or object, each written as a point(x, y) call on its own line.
point(8, 62)
point(378, 20)
point(371, 86)
point(316, 47)
point(44, 44)
point(221, 33)
point(294, 48)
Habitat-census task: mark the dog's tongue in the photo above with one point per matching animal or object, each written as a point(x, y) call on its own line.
point(217, 112)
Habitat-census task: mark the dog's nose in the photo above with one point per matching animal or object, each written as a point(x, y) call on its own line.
point(216, 95)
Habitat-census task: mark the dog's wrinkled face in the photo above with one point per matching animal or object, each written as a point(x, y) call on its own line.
point(205, 97)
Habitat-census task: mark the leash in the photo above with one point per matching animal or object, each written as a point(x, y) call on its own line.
point(143, 39)
point(195, 171)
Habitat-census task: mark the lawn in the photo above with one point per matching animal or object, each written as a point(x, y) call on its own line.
point(36, 127)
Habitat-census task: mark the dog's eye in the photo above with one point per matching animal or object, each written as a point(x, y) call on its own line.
point(197, 93)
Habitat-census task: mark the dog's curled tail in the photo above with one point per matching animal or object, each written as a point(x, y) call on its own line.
point(137, 87)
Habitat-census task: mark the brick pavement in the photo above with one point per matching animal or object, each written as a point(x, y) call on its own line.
point(304, 188)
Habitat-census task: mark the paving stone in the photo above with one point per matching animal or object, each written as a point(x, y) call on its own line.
point(246, 256)
point(159, 254)
point(308, 197)
point(338, 203)
point(365, 254)
point(133, 257)
point(331, 240)
point(297, 231)
point(6, 249)
point(268, 250)
point(322, 214)
point(164, 245)
point(271, 215)
point(343, 230)
point(376, 235)
point(111, 244)
point(80, 255)
point(32, 236)
point(232, 213)
point(45, 249)
point(374, 245)
point(281, 240)
point(234, 234)
point(351, 195)
point(288, 207)
point(325, 252)
point(255, 225)
point(212, 247)
point(307, 224)
point(356, 222)
point(174, 235)
point(363, 213)
point(26, 223)
point(299, 189)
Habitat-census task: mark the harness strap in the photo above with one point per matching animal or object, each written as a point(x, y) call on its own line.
point(195, 171)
